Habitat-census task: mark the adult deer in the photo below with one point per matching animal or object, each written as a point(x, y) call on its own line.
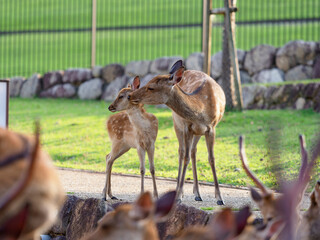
point(31, 193)
point(198, 104)
point(135, 221)
point(131, 128)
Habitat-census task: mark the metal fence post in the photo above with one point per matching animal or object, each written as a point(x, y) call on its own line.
point(93, 33)
point(206, 35)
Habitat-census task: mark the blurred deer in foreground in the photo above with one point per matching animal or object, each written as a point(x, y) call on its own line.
point(131, 128)
point(134, 221)
point(284, 211)
point(198, 104)
point(30, 191)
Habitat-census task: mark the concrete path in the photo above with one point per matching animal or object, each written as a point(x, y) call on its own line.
point(127, 187)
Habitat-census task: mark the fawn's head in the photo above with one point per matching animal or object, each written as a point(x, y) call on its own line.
point(122, 102)
point(157, 90)
point(137, 220)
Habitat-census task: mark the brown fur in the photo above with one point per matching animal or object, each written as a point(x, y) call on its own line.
point(131, 128)
point(43, 195)
point(198, 104)
point(135, 221)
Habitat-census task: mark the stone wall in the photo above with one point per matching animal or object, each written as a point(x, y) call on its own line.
point(296, 60)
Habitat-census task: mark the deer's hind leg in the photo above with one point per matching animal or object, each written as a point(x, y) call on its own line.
point(150, 152)
point(116, 152)
point(194, 168)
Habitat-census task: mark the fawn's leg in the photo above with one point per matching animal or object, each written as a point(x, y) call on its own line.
point(152, 171)
point(194, 168)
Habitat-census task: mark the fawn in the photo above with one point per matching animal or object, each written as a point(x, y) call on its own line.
point(31, 193)
point(131, 128)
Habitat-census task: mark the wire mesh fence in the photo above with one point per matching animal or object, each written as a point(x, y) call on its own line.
point(43, 35)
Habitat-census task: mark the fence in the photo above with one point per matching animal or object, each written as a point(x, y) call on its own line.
point(44, 35)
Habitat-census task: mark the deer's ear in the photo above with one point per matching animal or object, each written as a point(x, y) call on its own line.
point(135, 83)
point(222, 224)
point(142, 207)
point(178, 64)
point(255, 195)
point(177, 75)
point(164, 205)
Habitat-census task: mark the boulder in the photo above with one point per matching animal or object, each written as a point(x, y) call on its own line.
point(241, 55)
point(311, 90)
point(216, 65)
point(84, 217)
point(299, 104)
point(90, 90)
point(163, 65)
point(245, 77)
point(250, 94)
point(31, 87)
point(63, 220)
point(316, 67)
point(66, 90)
point(15, 85)
point(97, 71)
point(299, 72)
point(111, 91)
point(259, 58)
point(182, 217)
point(112, 71)
point(76, 76)
point(52, 78)
point(273, 75)
point(294, 53)
point(195, 61)
point(138, 68)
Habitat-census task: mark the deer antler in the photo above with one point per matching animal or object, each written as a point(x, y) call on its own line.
point(244, 161)
point(14, 192)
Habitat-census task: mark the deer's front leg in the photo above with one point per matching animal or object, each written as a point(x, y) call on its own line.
point(141, 154)
point(188, 136)
point(152, 170)
point(210, 137)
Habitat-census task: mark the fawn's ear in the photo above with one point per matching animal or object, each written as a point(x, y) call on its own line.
point(223, 224)
point(177, 71)
point(164, 205)
point(255, 195)
point(142, 207)
point(135, 83)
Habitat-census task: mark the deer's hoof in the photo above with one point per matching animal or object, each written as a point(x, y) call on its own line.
point(104, 199)
point(178, 201)
point(114, 198)
point(220, 202)
point(199, 199)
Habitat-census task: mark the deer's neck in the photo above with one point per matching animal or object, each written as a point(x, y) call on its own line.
point(138, 118)
point(185, 105)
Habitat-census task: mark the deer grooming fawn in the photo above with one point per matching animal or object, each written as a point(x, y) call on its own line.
point(31, 193)
point(132, 128)
point(134, 221)
point(198, 104)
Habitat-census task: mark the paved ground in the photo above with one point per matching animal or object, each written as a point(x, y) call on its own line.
point(89, 184)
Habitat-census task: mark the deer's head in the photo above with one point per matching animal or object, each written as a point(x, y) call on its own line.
point(157, 90)
point(122, 102)
point(135, 221)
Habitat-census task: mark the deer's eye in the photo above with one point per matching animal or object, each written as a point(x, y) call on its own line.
point(120, 97)
point(151, 89)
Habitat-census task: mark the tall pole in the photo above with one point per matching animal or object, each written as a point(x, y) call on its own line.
point(206, 35)
point(93, 33)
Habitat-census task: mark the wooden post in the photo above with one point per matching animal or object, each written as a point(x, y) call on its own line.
point(93, 33)
point(230, 24)
point(230, 74)
point(206, 35)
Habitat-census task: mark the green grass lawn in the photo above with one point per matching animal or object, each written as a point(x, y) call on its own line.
point(74, 134)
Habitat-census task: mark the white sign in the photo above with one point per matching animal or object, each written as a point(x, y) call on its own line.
point(3, 103)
